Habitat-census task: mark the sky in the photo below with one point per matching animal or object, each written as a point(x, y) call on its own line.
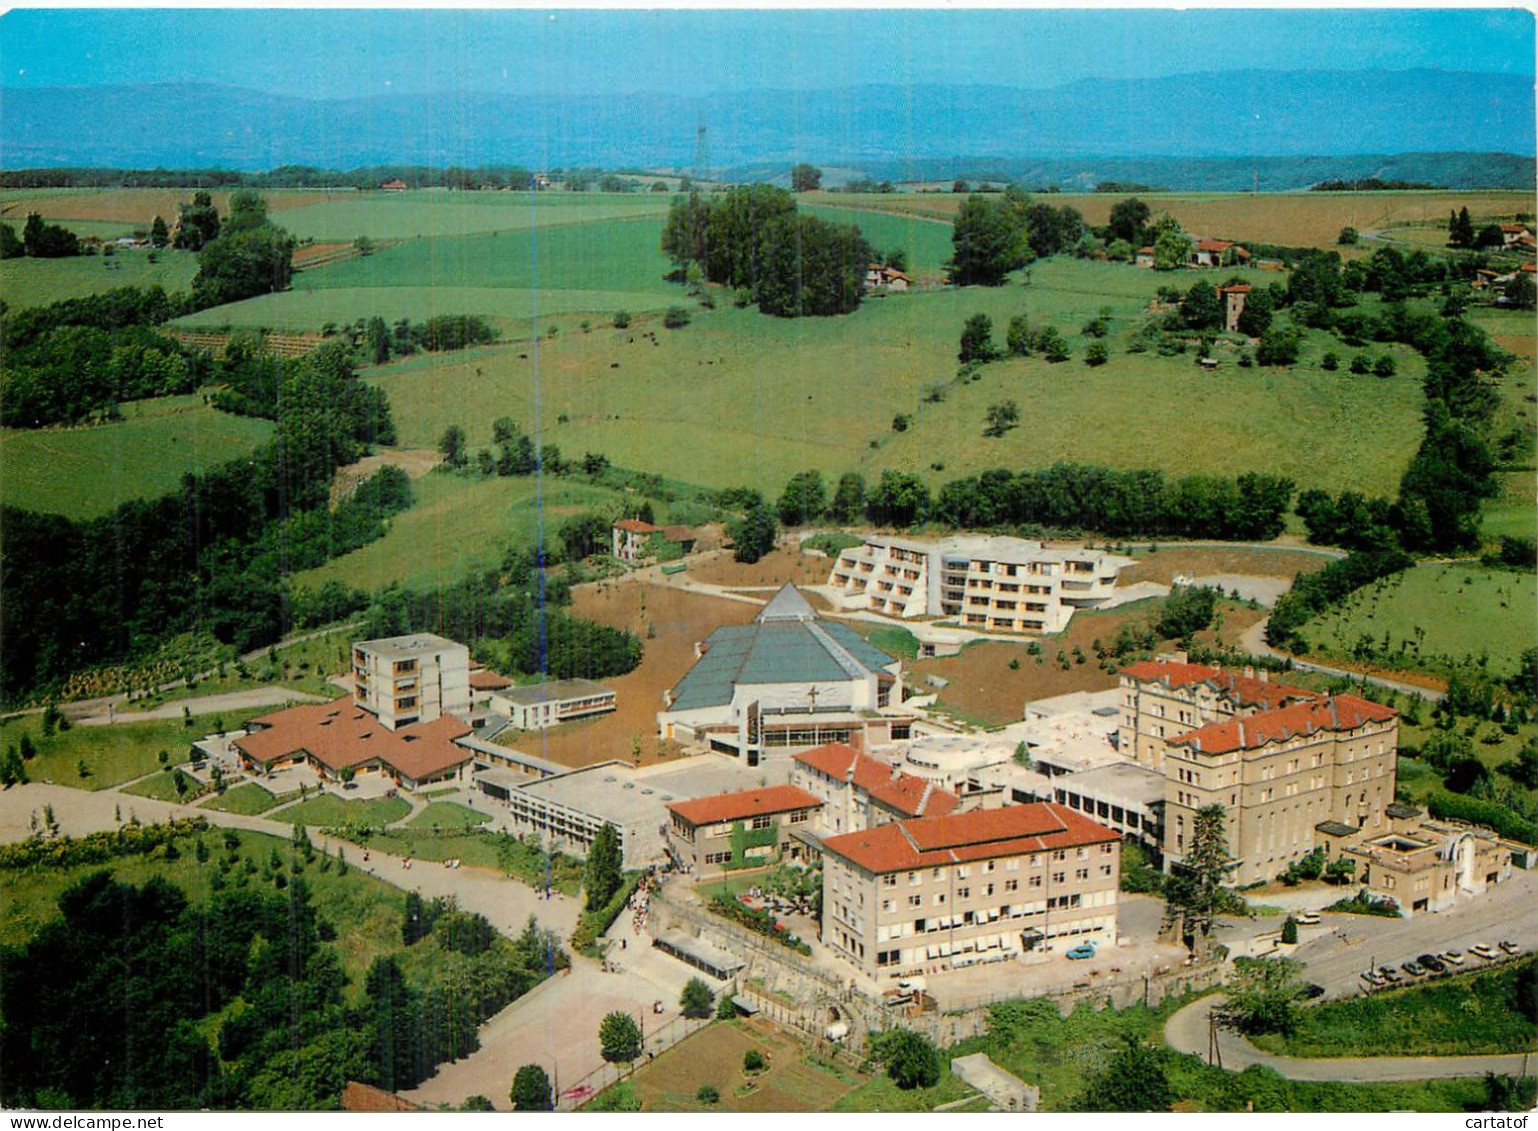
point(336, 54)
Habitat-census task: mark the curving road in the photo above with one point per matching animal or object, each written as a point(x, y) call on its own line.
point(1189, 1031)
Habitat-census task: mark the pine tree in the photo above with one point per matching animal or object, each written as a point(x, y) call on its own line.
point(603, 875)
point(1194, 893)
point(531, 1090)
point(697, 1000)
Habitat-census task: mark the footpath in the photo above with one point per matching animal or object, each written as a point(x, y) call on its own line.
point(1190, 1030)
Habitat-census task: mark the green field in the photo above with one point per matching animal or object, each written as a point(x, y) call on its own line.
point(88, 471)
point(332, 812)
point(249, 800)
point(926, 242)
point(112, 754)
point(430, 213)
point(162, 786)
point(1463, 610)
point(37, 282)
point(448, 816)
point(822, 393)
point(459, 524)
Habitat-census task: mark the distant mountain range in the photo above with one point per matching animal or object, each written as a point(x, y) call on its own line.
point(893, 132)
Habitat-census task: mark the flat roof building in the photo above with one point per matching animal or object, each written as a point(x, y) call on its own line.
point(411, 679)
point(543, 705)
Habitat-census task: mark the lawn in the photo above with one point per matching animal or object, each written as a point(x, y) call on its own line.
point(247, 799)
point(1471, 1015)
point(87, 471)
point(37, 282)
point(328, 812)
point(429, 213)
point(1432, 615)
point(459, 524)
point(448, 816)
point(1513, 512)
point(112, 754)
point(822, 392)
point(366, 912)
point(162, 786)
point(926, 243)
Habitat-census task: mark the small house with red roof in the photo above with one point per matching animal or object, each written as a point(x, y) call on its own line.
point(881, 275)
point(711, 834)
point(859, 792)
point(395, 184)
point(1144, 257)
point(632, 539)
point(1217, 253)
point(1515, 233)
point(939, 893)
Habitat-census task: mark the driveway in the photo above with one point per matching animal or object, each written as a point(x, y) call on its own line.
point(1189, 1031)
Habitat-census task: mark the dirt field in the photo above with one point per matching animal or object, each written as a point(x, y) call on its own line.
point(679, 621)
point(1198, 561)
point(416, 462)
point(985, 689)
point(136, 206)
point(714, 1056)
point(775, 568)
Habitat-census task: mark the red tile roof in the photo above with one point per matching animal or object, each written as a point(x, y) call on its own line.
point(1246, 691)
point(636, 526)
point(340, 734)
point(740, 806)
point(982, 834)
point(903, 793)
point(484, 680)
point(1235, 289)
point(1213, 245)
point(1513, 227)
point(367, 1098)
point(1339, 713)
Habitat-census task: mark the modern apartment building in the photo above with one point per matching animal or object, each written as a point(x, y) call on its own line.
point(986, 583)
point(402, 680)
point(986, 886)
point(1281, 774)
point(1167, 697)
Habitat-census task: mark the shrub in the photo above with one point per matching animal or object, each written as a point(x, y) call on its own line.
point(675, 318)
point(753, 1061)
point(708, 1094)
point(621, 319)
point(1096, 354)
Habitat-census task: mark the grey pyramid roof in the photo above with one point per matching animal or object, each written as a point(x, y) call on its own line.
point(787, 604)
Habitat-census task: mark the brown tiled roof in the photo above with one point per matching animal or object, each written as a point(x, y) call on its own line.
point(1247, 691)
point(982, 834)
point(1338, 713)
point(367, 1098)
point(340, 734)
point(636, 526)
point(1235, 289)
point(904, 793)
point(740, 806)
point(678, 533)
point(485, 680)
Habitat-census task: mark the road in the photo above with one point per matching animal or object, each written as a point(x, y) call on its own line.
point(232, 701)
point(1189, 1031)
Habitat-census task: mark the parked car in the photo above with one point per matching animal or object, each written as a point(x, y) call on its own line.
point(1453, 956)
point(1414, 969)
point(1373, 978)
point(1306, 918)
point(1482, 950)
point(1432, 963)
point(1083, 950)
point(1509, 947)
point(1389, 974)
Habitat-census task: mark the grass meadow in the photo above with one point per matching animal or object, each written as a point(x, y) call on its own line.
point(459, 525)
point(111, 754)
point(1462, 609)
point(38, 282)
point(247, 799)
point(87, 471)
point(822, 393)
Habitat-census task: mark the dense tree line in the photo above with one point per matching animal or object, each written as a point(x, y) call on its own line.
point(518, 610)
point(753, 238)
point(1312, 593)
point(284, 176)
point(1370, 184)
point(209, 556)
point(106, 1005)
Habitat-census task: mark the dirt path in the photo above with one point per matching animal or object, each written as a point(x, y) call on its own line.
point(1254, 642)
point(203, 705)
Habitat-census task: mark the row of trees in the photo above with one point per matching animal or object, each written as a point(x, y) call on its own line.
point(752, 238)
point(38, 240)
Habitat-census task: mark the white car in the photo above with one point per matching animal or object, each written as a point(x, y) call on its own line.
point(1482, 950)
point(1510, 947)
point(1452, 956)
point(1372, 977)
point(1306, 918)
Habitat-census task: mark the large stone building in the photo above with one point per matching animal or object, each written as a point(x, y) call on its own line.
point(786, 682)
point(1167, 697)
point(402, 680)
point(710, 834)
point(989, 584)
point(946, 892)
point(859, 792)
point(1281, 774)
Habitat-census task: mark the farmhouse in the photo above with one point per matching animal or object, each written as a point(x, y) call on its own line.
point(340, 740)
point(1217, 253)
point(880, 275)
point(394, 185)
point(733, 829)
point(549, 704)
point(995, 584)
point(788, 681)
point(1281, 775)
point(1515, 233)
point(408, 679)
point(1144, 257)
point(632, 539)
point(947, 892)
point(1165, 697)
point(859, 792)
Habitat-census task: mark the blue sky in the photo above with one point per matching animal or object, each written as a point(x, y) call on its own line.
point(346, 53)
